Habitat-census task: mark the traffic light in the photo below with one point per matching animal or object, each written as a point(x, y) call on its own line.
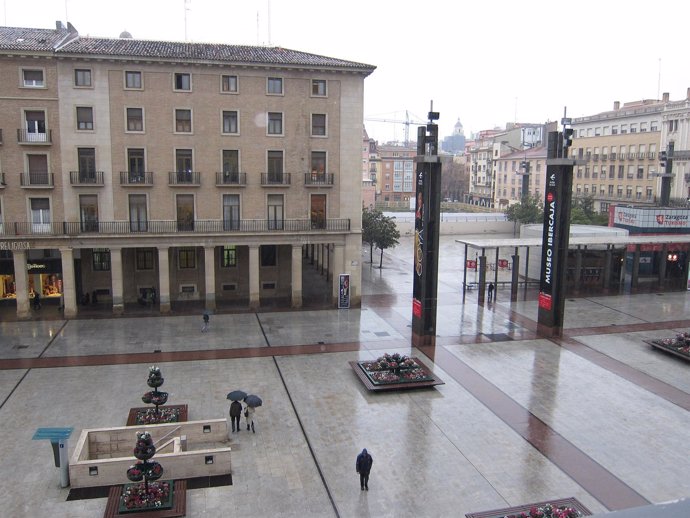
point(662, 158)
point(567, 137)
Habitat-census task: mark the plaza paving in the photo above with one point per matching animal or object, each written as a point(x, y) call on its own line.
point(596, 414)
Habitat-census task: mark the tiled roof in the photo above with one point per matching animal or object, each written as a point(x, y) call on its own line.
point(30, 40)
point(12, 38)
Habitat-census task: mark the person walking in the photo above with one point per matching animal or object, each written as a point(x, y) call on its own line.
point(363, 466)
point(37, 300)
point(235, 413)
point(491, 291)
point(249, 415)
point(207, 318)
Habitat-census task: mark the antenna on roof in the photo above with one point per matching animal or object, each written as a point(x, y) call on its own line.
point(187, 7)
point(268, 22)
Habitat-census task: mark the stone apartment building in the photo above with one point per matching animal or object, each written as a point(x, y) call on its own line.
point(675, 128)
point(395, 177)
point(164, 172)
point(510, 171)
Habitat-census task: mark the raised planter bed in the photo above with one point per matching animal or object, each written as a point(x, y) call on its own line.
point(178, 504)
point(394, 372)
point(538, 509)
point(678, 346)
point(146, 415)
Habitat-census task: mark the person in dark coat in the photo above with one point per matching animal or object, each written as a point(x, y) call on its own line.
point(363, 466)
point(235, 413)
point(491, 291)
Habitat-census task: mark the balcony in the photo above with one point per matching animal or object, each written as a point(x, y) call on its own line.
point(184, 178)
point(136, 179)
point(86, 178)
point(651, 155)
point(687, 177)
point(33, 137)
point(231, 179)
point(275, 179)
point(0, 136)
point(612, 156)
point(2, 181)
point(38, 180)
point(157, 227)
point(318, 179)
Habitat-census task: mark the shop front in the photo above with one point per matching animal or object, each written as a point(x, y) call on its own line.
point(44, 276)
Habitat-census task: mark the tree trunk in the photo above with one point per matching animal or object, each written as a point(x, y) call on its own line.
point(381, 260)
point(371, 253)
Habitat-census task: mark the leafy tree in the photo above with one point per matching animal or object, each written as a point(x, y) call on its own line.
point(582, 212)
point(387, 235)
point(370, 221)
point(528, 210)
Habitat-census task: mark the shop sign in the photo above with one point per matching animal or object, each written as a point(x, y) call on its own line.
point(35, 266)
point(14, 245)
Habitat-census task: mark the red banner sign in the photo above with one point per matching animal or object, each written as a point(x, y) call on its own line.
point(471, 264)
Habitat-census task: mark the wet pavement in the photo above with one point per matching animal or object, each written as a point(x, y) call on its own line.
point(596, 414)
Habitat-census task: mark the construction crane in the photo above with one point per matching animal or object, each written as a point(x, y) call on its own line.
point(405, 122)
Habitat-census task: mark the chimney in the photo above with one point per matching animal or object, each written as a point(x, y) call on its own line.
point(664, 97)
point(688, 94)
point(616, 105)
point(59, 26)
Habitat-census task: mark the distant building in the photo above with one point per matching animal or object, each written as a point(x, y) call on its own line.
point(396, 175)
point(455, 143)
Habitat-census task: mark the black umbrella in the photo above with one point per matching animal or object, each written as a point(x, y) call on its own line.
point(237, 395)
point(253, 401)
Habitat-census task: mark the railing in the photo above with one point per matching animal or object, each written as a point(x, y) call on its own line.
point(231, 178)
point(32, 137)
point(275, 179)
point(86, 177)
point(184, 178)
point(135, 178)
point(36, 179)
point(318, 179)
point(73, 228)
point(2, 180)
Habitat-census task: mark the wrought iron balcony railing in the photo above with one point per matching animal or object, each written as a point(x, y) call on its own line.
point(184, 178)
point(231, 179)
point(89, 178)
point(136, 178)
point(36, 179)
point(148, 227)
point(275, 179)
point(318, 179)
point(34, 137)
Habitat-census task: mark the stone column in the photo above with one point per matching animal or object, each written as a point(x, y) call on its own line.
point(164, 279)
point(69, 293)
point(254, 289)
point(210, 274)
point(296, 276)
point(116, 280)
point(662, 264)
point(338, 268)
point(21, 283)
point(635, 268)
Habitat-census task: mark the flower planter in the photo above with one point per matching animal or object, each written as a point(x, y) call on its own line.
point(135, 498)
point(380, 375)
point(562, 508)
point(678, 346)
point(165, 414)
point(178, 504)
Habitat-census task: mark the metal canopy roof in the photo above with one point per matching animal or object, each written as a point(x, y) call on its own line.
point(575, 241)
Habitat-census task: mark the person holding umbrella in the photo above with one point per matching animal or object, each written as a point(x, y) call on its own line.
point(252, 402)
point(236, 408)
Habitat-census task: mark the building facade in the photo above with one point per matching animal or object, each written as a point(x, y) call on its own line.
point(167, 172)
point(511, 169)
point(396, 172)
point(675, 128)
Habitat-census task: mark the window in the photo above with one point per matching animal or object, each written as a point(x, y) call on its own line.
point(38, 169)
point(228, 258)
point(40, 214)
point(268, 255)
point(136, 162)
point(183, 121)
point(135, 119)
point(230, 122)
point(35, 121)
point(88, 212)
point(275, 123)
point(133, 80)
point(183, 163)
point(228, 84)
point(183, 82)
point(275, 166)
point(33, 78)
point(100, 259)
point(318, 87)
point(275, 212)
point(84, 118)
point(231, 212)
point(640, 173)
point(138, 220)
point(185, 212)
point(318, 124)
point(231, 162)
point(186, 258)
point(86, 162)
point(144, 259)
point(274, 86)
point(318, 166)
point(82, 77)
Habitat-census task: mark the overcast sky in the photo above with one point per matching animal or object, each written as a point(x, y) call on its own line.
point(485, 62)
